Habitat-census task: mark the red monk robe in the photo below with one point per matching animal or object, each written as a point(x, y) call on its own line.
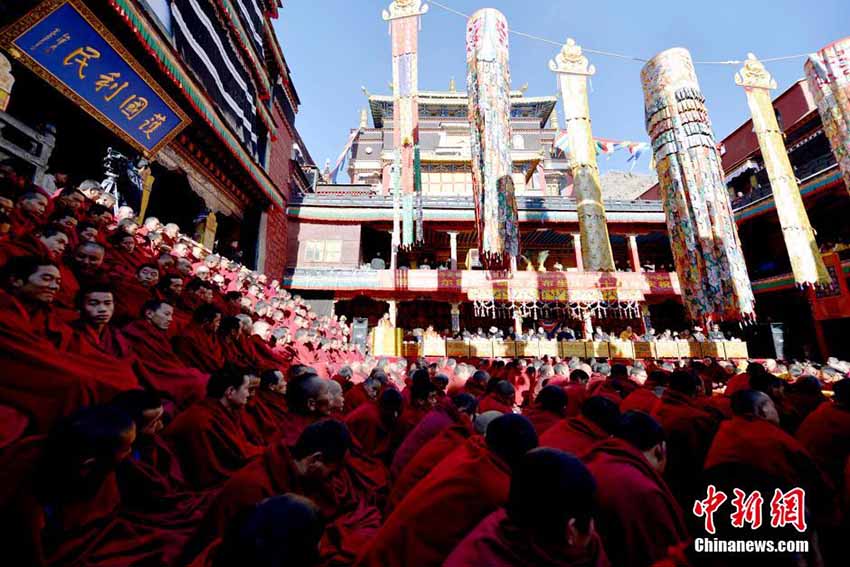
point(689, 429)
point(377, 439)
point(574, 435)
point(130, 296)
point(110, 346)
point(763, 449)
point(498, 542)
point(266, 358)
point(641, 399)
point(637, 518)
point(425, 460)
point(154, 488)
point(166, 373)
point(88, 532)
point(825, 433)
point(491, 402)
point(542, 419)
point(42, 382)
point(435, 421)
point(355, 397)
point(266, 414)
point(210, 442)
point(576, 395)
point(199, 348)
point(437, 514)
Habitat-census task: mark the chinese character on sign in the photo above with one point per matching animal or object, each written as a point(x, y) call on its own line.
point(64, 38)
point(788, 508)
point(133, 106)
point(747, 509)
point(80, 57)
point(150, 125)
point(709, 506)
point(109, 81)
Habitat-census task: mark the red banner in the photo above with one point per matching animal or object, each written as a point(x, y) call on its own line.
point(833, 300)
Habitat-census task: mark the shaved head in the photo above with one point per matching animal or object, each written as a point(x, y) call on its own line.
point(752, 403)
point(511, 436)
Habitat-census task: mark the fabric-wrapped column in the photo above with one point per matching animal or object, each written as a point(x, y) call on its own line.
point(488, 86)
point(573, 69)
point(828, 74)
point(703, 236)
point(806, 262)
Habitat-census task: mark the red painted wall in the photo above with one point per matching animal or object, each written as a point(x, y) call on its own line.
point(280, 171)
point(302, 232)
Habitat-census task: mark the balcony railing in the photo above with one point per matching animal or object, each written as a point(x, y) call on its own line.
point(804, 173)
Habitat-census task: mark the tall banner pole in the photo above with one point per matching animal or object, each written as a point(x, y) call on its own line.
point(572, 69)
point(703, 235)
point(806, 262)
point(403, 17)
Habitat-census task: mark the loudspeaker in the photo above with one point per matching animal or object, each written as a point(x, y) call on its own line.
point(360, 332)
point(766, 340)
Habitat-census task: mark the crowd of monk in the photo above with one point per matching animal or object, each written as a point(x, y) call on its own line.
point(163, 406)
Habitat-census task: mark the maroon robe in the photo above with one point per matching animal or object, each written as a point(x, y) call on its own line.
point(574, 435)
point(199, 348)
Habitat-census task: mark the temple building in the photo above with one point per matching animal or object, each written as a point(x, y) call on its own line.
point(199, 89)
point(340, 245)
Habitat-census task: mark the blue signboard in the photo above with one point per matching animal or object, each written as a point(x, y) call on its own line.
point(65, 44)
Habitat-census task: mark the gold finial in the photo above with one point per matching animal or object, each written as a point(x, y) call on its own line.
point(553, 119)
point(452, 87)
point(571, 60)
point(404, 8)
point(523, 88)
point(754, 75)
point(364, 118)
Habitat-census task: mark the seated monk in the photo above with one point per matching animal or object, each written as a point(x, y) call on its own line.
point(751, 452)
point(197, 345)
point(549, 408)
point(646, 397)
point(131, 296)
point(476, 385)
point(233, 335)
point(60, 503)
point(617, 384)
point(281, 530)
point(825, 433)
point(266, 412)
point(308, 400)
point(422, 399)
point(170, 289)
point(151, 480)
point(576, 391)
point(48, 242)
point(40, 382)
point(598, 420)
point(548, 519)
point(445, 506)
point(163, 369)
point(122, 259)
point(337, 405)
point(501, 397)
point(366, 391)
point(638, 518)
point(208, 437)
point(29, 213)
point(460, 409)
point(376, 426)
point(689, 428)
point(434, 451)
point(304, 469)
point(84, 271)
point(261, 332)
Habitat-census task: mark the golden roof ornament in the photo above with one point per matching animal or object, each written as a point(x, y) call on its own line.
point(753, 75)
point(404, 9)
point(570, 60)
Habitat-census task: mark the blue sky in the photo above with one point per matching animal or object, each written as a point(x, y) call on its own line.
point(335, 46)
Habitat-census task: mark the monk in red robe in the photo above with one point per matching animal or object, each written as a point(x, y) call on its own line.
point(376, 426)
point(460, 492)
point(576, 391)
point(197, 345)
point(152, 484)
point(646, 397)
point(163, 370)
point(40, 381)
point(366, 391)
point(83, 270)
point(60, 504)
point(208, 437)
point(47, 242)
point(548, 519)
point(598, 420)
point(267, 412)
point(825, 433)
point(638, 517)
point(132, 295)
point(281, 530)
point(458, 410)
point(689, 427)
point(31, 208)
point(422, 399)
point(549, 408)
point(122, 258)
point(501, 397)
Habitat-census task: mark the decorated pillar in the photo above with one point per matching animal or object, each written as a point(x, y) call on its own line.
point(455, 317)
point(573, 70)
point(453, 248)
point(703, 236)
point(577, 248)
point(403, 17)
point(634, 257)
point(488, 82)
point(7, 80)
point(806, 262)
point(828, 74)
